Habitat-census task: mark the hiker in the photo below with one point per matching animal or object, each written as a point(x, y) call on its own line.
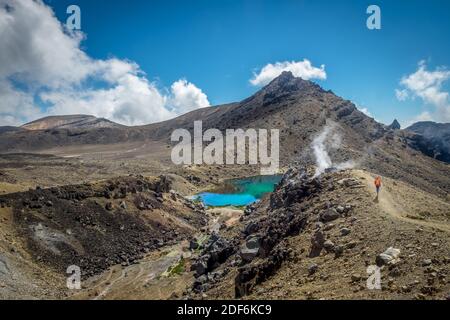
point(378, 184)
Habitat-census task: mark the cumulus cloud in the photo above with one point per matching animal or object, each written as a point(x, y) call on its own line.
point(36, 49)
point(363, 109)
point(303, 69)
point(427, 85)
point(366, 112)
point(187, 97)
point(42, 63)
point(15, 105)
point(131, 100)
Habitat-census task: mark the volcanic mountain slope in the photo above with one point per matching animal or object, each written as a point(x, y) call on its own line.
point(5, 129)
point(299, 109)
point(431, 138)
point(93, 226)
point(70, 122)
point(56, 131)
point(316, 238)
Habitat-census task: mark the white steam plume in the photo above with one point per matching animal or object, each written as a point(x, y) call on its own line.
point(328, 139)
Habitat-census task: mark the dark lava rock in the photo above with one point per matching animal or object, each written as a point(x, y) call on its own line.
point(251, 228)
point(123, 205)
point(99, 237)
point(251, 275)
point(250, 248)
point(329, 215)
point(312, 269)
point(285, 218)
point(329, 246)
point(294, 186)
point(430, 138)
point(193, 245)
point(338, 251)
point(345, 231)
point(216, 251)
point(164, 185)
point(109, 206)
point(200, 266)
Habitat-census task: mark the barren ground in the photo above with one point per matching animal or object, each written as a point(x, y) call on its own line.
point(405, 217)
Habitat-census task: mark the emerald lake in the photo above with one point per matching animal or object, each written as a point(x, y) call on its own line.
point(240, 192)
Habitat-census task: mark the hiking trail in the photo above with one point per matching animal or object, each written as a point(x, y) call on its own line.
point(397, 208)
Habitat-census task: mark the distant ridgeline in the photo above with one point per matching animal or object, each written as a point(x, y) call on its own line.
point(432, 139)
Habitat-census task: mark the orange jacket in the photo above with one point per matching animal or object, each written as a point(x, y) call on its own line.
point(378, 182)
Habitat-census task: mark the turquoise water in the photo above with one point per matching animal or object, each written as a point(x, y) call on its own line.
point(240, 192)
point(223, 199)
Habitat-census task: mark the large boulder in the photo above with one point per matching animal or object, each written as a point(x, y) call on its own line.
point(317, 243)
point(329, 246)
point(388, 257)
point(251, 228)
point(250, 248)
point(215, 252)
point(329, 215)
point(199, 267)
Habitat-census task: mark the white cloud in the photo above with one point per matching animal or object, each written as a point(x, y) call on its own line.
point(427, 85)
point(132, 100)
point(303, 69)
point(401, 95)
point(366, 112)
point(363, 109)
point(187, 97)
point(41, 60)
point(36, 49)
point(15, 105)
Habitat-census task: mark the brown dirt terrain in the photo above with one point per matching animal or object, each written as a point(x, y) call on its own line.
point(148, 279)
point(89, 164)
point(20, 276)
point(94, 227)
point(405, 217)
point(409, 204)
point(372, 227)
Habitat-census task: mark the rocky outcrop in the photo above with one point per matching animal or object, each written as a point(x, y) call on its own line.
point(395, 125)
point(96, 226)
point(250, 275)
point(264, 248)
point(214, 253)
point(250, 248)
point(295, 186)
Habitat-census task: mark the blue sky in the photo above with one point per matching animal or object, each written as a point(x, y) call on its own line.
point(217, 45)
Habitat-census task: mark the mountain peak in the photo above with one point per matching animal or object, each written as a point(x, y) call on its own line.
point(286, 75)
point(79, 121)
point(284, 78)
point(395, 125)
point(286, 82)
